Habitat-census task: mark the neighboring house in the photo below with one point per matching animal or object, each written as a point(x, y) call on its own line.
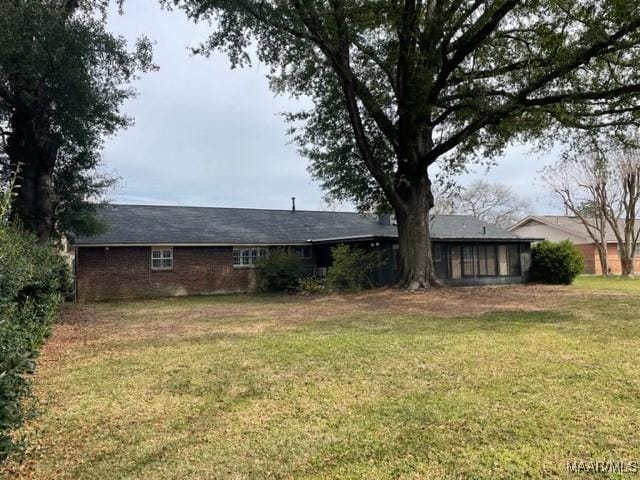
point(152, 251)
point(557, 228)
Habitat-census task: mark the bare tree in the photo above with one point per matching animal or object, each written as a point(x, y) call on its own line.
point(607, 181)
point(581, 184)
point(491, 202)
point(622, 209)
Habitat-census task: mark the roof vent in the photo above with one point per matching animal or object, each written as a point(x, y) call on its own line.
point(484, 229)
point(293, 204)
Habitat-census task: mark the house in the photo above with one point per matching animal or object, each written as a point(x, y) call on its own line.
point(150, 251)
point(556, 228)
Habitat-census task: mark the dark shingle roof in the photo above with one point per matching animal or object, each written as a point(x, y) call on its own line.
point(149, 224)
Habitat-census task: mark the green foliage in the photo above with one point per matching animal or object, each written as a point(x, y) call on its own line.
point(280, 271)
point(312, 285)
point(352, 268)
point(33, 279)
point(450, 83)
point(63, 79)
point(555, 263)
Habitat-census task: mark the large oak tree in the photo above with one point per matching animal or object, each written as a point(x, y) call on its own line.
point(399, 85)
point(63, 78)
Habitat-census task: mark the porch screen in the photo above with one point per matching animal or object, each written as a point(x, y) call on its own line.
point(456, 270)
point(514, 260)
point(503, 260)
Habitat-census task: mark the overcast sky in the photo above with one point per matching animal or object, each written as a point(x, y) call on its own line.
point(208, 135)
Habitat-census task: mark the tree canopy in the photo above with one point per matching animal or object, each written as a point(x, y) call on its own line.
point(63, 79)
point(399, 85)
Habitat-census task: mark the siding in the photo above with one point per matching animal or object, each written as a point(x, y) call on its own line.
point(535, 229)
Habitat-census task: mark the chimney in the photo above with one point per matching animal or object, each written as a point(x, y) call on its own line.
point(384, 219)
point(293, 204)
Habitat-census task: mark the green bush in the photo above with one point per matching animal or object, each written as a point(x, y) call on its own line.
point(555, 263)
point(352, 268)
point(280, 271)
point(33, 278)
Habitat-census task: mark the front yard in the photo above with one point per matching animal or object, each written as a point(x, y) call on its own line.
point(469, 383)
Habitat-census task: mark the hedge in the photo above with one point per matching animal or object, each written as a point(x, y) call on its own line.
point(33, 280)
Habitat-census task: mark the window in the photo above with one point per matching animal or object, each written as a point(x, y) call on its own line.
point(503, 261)
point(637, 253)
point(456, 272)
point(302, 252)
point(248, 257)
point(486, 261)
point(482, 261)
point(514, 260)
point(161, 258)
point(437, 253)
point(491, 261)
point(467, 261)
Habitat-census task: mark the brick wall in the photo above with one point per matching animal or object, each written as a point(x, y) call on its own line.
point(591, 261)
point(125, 272)
point(614, 260)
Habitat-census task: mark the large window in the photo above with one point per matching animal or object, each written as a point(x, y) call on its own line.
point(248, 257)
point(162, 258)
point(485, 260)
point(467, 261)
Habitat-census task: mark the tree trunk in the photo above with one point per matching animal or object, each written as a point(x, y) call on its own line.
point(626, 262)
point(603, 257)
point(33, 151)
point(416, 263)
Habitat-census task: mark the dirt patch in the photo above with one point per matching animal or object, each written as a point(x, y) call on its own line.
point(86, 324)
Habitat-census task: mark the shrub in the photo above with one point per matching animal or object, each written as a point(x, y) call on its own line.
point(352, 268)
point(33, 278)
point(280, 271)
point(555, 263)
point(312, 285)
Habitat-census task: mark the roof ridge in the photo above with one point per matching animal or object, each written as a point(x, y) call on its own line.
point(458, 215)
point(227, 208)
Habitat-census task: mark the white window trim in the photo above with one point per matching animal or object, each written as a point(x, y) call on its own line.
point(251, 257)
point(162, 257)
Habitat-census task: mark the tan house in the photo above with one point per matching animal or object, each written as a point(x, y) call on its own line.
point(556, 228)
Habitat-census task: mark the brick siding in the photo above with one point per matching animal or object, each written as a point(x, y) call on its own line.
point(591, 262)
point(592, 259)
point(125, 272)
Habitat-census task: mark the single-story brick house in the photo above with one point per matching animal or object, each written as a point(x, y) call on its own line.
point(150, 251)
point(557, 228)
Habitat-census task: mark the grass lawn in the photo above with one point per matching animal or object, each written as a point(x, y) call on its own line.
point(613, 283)
point(483, 383)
